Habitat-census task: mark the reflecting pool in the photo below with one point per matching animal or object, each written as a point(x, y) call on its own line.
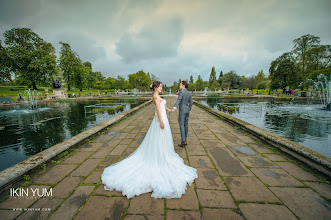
point(25, 132)
point(300, 121)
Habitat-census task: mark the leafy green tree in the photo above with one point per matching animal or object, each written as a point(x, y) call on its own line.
point(68, 62)
point(81, 75)
point(234, 80)
point(212, 76)
point(259, 77)
point(301, 46)
point(120, 83)
point(249, 82)
point(140, 80)
point(4, 67)
point(319, 57)
point(99, 85)
point(110, 83)
point(219, 80)
point(199, 83)
point(262, 85)
point(283, 72)
point(29, 57)
point(191, 79)
point(175, 86)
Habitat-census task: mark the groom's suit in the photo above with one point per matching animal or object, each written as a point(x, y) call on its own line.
point(184, 102)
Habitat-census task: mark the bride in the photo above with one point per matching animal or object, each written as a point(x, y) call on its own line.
point(154, 166)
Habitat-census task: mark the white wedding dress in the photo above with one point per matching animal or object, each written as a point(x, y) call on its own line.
point(153, 167)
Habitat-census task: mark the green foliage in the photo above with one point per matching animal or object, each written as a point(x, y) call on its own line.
point(262, 85)
point(28, 56)
point(212, 76)
point(283, 72)
point(140, 80)
point(191, 79)
point(232, 80)
point(199, 83)
point(327, 72)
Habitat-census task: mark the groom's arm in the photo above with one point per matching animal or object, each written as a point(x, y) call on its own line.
point(191, 102)
point(179, 100)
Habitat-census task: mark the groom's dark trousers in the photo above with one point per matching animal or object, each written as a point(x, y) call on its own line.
point(183, 124)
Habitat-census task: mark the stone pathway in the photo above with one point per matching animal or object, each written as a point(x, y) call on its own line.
point(239, 178)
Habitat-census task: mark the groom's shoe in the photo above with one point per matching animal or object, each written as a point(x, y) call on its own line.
point(185, 143)
point(182, 144)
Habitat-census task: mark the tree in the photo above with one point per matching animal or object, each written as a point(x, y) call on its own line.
point(120, 83)
point(301, 46)
point(4, 67)
point(29, 57)
point(99, 85)
point(249, 82)
point(259, 77)
point(219, 80)
point(140, 80)
point(262, 85)
point(212, 76)
point(80, 75)
point(175, 86)
point(68, 62)
point(199, 83)
point(319, 57)
point(191, 79)
point(283, 72)
point(233, 79)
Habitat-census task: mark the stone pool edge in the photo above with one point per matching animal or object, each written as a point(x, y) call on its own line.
point(14, 172)
point(314, 159)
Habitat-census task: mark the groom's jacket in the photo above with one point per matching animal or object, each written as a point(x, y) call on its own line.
point(184, 101)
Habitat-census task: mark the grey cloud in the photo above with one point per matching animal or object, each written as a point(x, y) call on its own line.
point(86, 47)
point(155, 41)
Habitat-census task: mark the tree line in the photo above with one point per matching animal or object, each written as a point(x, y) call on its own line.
point(307, 60)
point(27, 59)
point(31, 61)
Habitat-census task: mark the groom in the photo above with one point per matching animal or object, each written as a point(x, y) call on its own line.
point(185, 103)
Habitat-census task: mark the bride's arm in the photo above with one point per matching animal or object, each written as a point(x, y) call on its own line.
point(158, 109)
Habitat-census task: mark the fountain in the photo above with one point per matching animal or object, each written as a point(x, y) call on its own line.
point(170, 92)
point(30, 97)
point(205, 94)
point(323, 86)
point(135, 91)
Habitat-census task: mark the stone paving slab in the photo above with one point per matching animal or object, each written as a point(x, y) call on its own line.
point(275, 177)
point(55, 174)
point(227, 163)
point(322, 188)
point(250, 189)
point(220, 214)
point(67, 185)
point(145, 204)
point(101, 207)
point(265, 211)
point(213, 198)
point(209, 179)
point(69, 208)
point(237, 174)
point(304, 202)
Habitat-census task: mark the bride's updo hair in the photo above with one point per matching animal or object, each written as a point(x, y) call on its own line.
point(155, 84)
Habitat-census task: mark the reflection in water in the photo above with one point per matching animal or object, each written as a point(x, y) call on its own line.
point(27, 132)
point(303, 123)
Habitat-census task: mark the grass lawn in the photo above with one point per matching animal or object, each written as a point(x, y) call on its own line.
point(6, 91)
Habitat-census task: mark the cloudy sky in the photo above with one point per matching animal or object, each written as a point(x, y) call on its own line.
point(172, 38)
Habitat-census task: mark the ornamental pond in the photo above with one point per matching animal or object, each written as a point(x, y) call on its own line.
point(25, 132)
point(304, 122)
